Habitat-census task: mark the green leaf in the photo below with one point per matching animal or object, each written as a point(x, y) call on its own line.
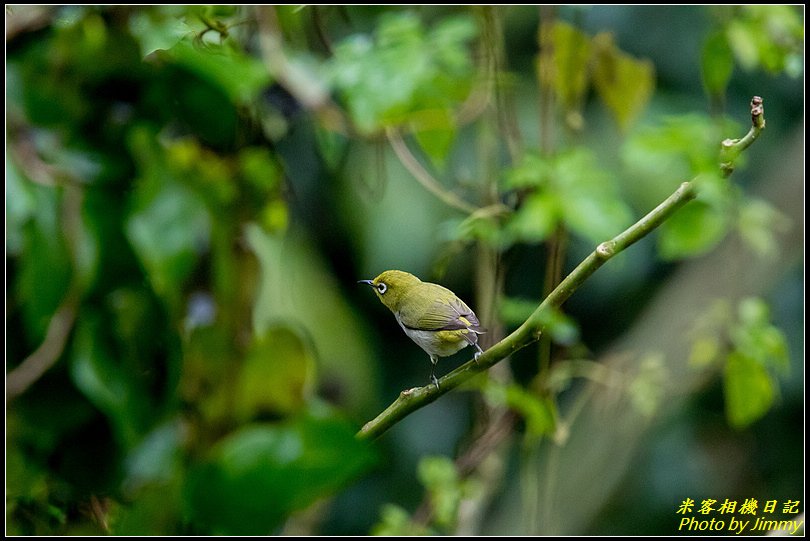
point(403, 71)
point(437, 136)
point(624, 83)
point(536, 219)
point(486, 229)
point(44, 271)
point(705, 350)
point(105, 381)
point(758, 223)
point(157, 30)
point(561, 328)
point(572, 187)
point(753, 312)
point(588, 196)
point(539, 413)
point(693, 230)
point(277, 376)
point(757, 338)
point(333, 146)
point(241, 77)
point(749, 390)
point(295, 289)
point(395, 521)
point(206, 172)
point(532, 171)
point(716, 64)
point(156, 459)
point(646, 389)
point(256, 476)
point(439, 476)
point(169, 230)
point(768, 37)
point(514, 311)
point(168, 224)
point(596, 217)
point(568, 73)
point(155, 511)
point(448, 40)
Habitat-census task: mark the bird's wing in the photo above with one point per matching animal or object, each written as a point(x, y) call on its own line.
point(444, 316)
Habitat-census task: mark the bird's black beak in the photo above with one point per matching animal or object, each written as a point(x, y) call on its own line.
point(368, 282)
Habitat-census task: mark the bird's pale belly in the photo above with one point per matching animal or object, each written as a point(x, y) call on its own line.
point(441, 343)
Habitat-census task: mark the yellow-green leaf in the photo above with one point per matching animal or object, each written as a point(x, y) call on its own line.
point(277, 375)
point(565, 69)
point(749, 390)
point(625, 84)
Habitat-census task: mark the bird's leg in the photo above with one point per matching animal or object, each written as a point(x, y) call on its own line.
point(433, 361)
point(477, 353)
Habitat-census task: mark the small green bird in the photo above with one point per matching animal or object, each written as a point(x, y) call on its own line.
point(431, 315)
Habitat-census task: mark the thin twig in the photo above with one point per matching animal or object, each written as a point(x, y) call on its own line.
point(26, 156)
point(421, 174)
point(731, 148)
point(307, 90)
point(45, 356)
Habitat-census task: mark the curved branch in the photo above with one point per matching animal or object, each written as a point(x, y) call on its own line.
point(45, 356)
point(422, 176)
point(309, 92)
point(531, 330)
point(731, 148)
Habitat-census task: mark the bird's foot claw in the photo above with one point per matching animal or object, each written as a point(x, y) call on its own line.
point(434, 381)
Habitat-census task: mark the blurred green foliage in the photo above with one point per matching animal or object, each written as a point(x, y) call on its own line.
point(752, 351)
point(192, 192)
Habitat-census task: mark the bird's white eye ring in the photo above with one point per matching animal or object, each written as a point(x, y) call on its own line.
point(382, 288)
